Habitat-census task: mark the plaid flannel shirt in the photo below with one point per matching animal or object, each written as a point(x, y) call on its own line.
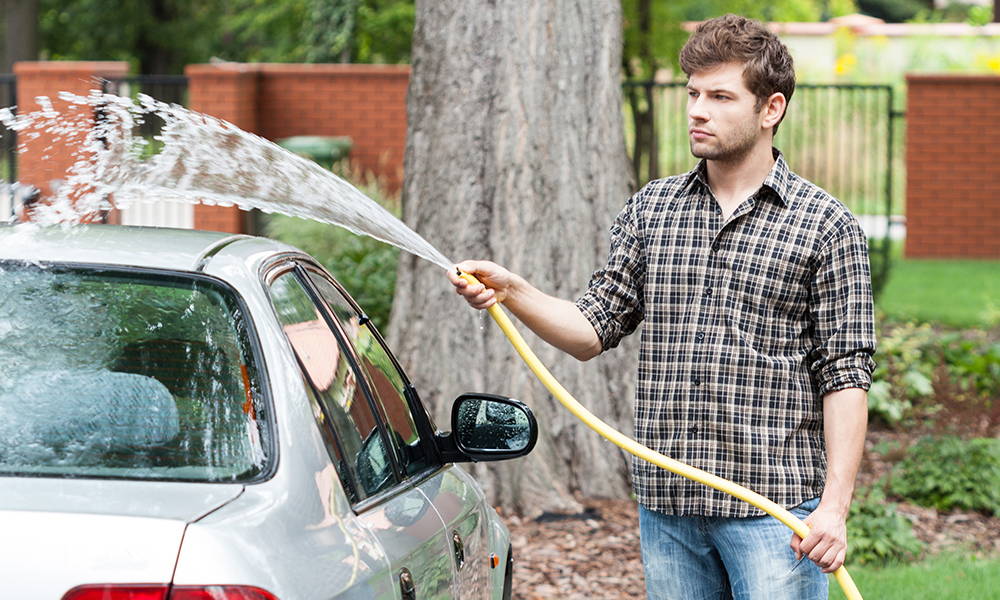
point(748, 323)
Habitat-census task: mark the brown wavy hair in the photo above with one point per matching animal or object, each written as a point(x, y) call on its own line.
point(731, 38)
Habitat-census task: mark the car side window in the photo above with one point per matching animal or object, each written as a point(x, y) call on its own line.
point(384, 378)
point(360, 453)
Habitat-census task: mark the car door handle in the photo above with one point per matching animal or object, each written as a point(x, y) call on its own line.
point(406, 585)
point(458, 546)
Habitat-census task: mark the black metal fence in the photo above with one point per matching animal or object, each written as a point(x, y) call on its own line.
point(840, 137)
point(166, 88)
point(8, 138)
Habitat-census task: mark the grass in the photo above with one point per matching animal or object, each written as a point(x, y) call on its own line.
point(958, 293)
point(942, 577)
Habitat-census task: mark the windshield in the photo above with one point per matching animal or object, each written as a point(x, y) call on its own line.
point(125, 374)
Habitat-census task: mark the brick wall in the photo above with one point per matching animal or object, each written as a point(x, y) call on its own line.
point(364, 102)
point(953, 166)
point(43, 161)
point(228, 92)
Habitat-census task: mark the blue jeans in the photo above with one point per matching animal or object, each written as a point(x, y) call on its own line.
point(716, 558)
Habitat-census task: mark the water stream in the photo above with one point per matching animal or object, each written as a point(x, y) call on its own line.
point(195, 159)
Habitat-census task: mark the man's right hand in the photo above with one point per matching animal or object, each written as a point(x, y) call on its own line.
point(495, 284)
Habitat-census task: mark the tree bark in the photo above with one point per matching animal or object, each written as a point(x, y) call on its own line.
point(515, 153)
point(21, 32)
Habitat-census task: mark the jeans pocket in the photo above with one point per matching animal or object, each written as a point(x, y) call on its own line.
point(805, 509)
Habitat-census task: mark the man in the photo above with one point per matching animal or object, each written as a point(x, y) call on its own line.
point(754, 288)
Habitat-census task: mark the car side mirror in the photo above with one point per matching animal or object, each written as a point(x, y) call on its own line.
point(487, 427)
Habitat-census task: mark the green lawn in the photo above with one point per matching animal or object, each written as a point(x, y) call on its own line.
point(960, 293)
point(944, 577)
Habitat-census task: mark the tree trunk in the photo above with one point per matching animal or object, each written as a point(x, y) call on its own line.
point(515, 152)
point(21, 32)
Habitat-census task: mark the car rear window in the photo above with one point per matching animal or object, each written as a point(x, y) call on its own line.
point(134, 375)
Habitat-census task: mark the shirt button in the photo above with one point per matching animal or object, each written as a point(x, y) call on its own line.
point(715, 247)
point(696, 381)
point(699, 336)
point(708, 291)
point(693, 429)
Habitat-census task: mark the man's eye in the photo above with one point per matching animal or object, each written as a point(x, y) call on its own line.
point(721, 97)
point(692, 94)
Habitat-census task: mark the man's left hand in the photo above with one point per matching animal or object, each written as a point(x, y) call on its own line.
point(826, 544)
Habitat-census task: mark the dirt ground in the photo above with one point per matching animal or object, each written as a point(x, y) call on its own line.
point(595, 554)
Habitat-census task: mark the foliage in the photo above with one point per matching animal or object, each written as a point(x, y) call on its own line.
point(365, 266)
point(948, 473)
point(975, 365)
point(162, 36)
point(908, 368)
point(877, 533)
point(384, 31)
point(331, 28)
point(155, 36)
point(892, 11)
point(903, 373)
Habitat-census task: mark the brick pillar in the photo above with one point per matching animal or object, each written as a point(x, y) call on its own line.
point(228, 92)
point(43, 161)
point(952, 177)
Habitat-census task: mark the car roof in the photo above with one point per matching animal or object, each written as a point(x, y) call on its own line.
point(151, 247)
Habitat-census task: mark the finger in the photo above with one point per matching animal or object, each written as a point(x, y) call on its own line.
point(809, 543)
point(473, 267)
point(838, 562)
point(796, 541)
point(820, 550)
point(828, 559)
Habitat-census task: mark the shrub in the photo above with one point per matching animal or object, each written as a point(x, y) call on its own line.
point(876, 533)
point(903, 373)
point(365, 266)
point(948, 472)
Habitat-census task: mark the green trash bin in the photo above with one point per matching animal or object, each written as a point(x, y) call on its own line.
point(325, 150)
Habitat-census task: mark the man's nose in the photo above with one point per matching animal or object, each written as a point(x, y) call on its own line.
point(697, 111)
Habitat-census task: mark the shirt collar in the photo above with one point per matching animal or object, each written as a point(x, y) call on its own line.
point(777, 180)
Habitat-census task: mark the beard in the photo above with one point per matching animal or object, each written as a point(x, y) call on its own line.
point(731, 148)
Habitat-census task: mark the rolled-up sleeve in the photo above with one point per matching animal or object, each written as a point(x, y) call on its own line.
point(613, 302)
point(842, 313)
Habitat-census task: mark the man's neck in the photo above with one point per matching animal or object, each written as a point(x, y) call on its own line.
point(732, 182)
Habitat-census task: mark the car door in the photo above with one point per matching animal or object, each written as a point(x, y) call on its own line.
point(456, 497)
point(376, 471)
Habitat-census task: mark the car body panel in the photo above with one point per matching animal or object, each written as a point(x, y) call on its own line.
point(96, 531)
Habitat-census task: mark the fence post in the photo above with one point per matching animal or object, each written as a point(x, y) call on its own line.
point(229, 92)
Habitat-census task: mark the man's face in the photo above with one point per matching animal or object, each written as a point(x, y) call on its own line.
point(722, 122)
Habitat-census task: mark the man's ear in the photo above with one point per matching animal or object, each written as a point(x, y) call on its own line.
point(773, 110)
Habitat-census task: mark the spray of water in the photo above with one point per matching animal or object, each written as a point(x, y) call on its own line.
point(195, 159)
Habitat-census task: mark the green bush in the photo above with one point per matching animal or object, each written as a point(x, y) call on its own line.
point(876, 533)
point(975, 365)
point(365, 266)
point(948, 472)
point(904, 371)
point(909, 355)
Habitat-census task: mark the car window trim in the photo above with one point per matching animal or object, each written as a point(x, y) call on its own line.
point(280, 264)
point(417, 409)
point(270, 445)
point(381, 420)
point(288, 263)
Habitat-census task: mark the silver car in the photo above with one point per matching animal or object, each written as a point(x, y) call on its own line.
point(188, 415)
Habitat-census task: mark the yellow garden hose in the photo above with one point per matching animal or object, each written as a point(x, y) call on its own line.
point(633, 447)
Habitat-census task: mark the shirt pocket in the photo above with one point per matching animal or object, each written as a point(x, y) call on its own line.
point(767, 301)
